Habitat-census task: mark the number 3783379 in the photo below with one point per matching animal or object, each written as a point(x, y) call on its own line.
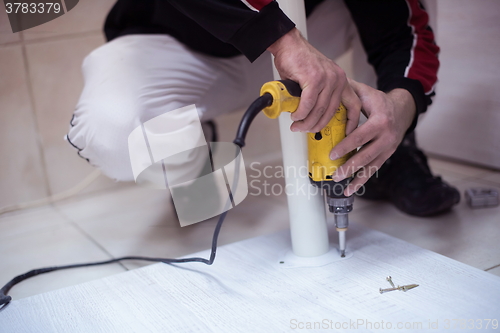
point(32, 8)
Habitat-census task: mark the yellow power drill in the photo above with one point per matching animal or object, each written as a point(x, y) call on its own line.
point(284, 96)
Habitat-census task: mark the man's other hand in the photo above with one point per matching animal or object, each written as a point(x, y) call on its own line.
point(389, 116)
point(324, 84)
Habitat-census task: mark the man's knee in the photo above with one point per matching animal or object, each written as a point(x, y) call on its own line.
point(100, 134)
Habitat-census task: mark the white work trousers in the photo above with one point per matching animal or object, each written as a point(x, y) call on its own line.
point(135, 78)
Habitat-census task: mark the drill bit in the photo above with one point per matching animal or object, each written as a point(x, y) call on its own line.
point(340, 207)
point(342, 241)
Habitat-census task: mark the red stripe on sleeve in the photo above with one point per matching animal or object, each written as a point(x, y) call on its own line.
point(258, 4)
point(424, 62)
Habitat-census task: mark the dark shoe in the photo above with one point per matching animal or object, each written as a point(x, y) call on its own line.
point(211, 135)
point(406, 180)
point(210, 131)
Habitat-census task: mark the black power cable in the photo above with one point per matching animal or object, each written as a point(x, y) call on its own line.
point(253, 110)
point(247, 119)
point(4, 298)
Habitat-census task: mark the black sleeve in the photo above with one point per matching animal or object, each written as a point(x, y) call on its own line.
point(400, 46)
point(249, 25)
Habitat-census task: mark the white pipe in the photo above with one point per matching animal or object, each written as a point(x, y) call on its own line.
point(307, 210)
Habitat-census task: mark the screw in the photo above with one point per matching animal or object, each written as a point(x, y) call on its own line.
point(390, 281)
point(388, 289)
point(408, 287)
point(400, 288)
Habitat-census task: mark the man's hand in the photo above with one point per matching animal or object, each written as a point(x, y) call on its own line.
point(389, 116)
point(324, 84)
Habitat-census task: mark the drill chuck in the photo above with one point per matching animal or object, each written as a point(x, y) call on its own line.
point(340, 205)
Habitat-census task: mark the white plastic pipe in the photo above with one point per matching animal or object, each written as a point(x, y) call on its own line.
point(305, 202)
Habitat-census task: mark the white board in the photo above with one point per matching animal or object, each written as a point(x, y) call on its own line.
point(247, 290)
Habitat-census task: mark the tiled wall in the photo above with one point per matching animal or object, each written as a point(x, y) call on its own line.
point(40, 82)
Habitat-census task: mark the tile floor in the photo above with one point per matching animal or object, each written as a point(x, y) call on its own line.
point(129, 220)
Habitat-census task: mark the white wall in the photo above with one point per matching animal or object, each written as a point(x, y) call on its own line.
point(464, 121)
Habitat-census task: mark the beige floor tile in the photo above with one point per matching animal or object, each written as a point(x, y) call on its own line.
point(57, 84)
point(29, 221)
point(142, 222)
point(86, 16)
point(21, 173)
point(6, 34)
point(495, 271)
point(109, 203)
point(59, 279)
point(492, 177)
point(440, 167)
point(61, 245)
point(467, 235)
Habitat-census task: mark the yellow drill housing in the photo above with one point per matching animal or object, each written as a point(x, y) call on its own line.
point(284, 99)
point(319, 145)
point(320, 166)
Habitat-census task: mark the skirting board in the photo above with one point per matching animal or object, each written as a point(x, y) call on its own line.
point(246, 290)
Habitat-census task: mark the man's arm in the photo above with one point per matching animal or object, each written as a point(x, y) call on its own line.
point(249, 25)
point(400, 46)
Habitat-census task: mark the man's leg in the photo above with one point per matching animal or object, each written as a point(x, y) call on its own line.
point(135, 78)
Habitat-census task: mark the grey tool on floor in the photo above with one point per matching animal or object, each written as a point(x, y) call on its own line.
point(482, 197)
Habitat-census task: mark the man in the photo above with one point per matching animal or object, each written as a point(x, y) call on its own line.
point(166, 54)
